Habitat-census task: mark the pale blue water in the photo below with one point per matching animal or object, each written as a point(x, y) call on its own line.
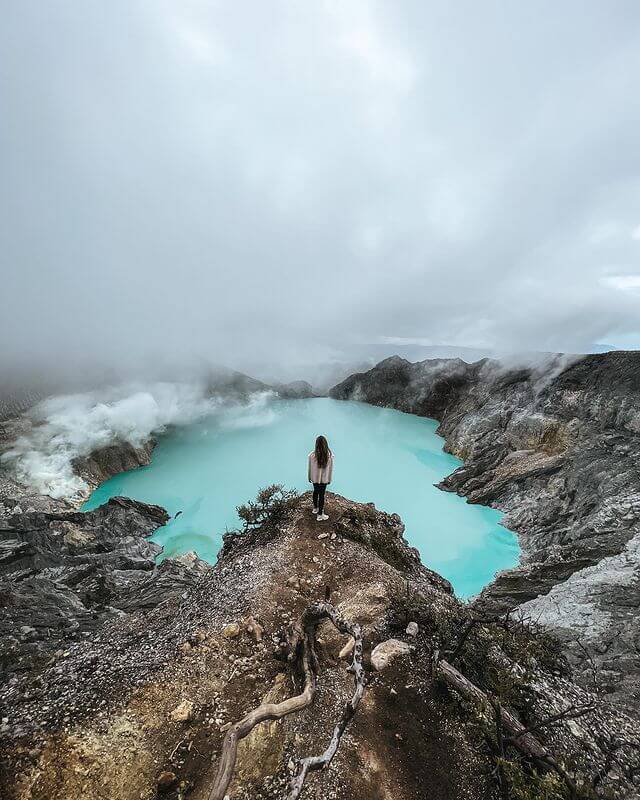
point(393, 459)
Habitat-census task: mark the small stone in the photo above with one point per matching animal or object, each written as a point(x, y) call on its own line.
point(231, 631)
point(323, 536)
point(224, 728)
point(166, 780)
point(183, 712)
point(412, 629)
point(255, 628)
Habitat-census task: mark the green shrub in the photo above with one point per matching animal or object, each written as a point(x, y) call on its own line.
point(269, 507)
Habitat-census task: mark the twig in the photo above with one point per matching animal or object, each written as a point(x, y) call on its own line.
point(176, 748)
point(573, 712)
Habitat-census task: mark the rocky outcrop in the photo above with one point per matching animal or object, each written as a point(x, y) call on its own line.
point(64, 574)
point(557, 448)
point(142, 704)
point(231, 384)
point(295, 390)
point(111, 460)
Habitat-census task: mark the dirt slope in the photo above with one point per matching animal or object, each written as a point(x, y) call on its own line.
point(105, 721)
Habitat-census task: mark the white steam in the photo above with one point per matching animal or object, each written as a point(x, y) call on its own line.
point(63, 428)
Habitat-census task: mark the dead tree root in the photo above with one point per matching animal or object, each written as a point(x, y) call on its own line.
point(302, 652)
point(311, 763)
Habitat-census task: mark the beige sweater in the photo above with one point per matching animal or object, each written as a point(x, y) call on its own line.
point(318, 474)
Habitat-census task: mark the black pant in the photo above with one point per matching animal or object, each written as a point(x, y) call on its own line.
point(318, 496)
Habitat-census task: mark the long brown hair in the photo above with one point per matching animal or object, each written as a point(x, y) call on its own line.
point(322, 452)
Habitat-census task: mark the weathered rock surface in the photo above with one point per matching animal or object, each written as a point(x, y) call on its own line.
point(131, 710)
point(557, 447)
point(183, 712)
point(111, 460)
point(385, 653)
point(63, 574)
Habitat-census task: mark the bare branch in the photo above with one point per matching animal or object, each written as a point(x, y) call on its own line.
point(302, 650)
point(521, 739)
point(264, 712)
point(312, 763)
point(572, 712)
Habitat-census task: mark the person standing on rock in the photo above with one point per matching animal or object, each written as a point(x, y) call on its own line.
point(320, 474)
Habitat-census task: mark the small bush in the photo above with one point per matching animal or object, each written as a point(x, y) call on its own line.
point(269, 507)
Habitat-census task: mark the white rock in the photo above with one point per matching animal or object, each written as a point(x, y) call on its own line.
point(385, 652)
point(412, 629)
point(348, 648)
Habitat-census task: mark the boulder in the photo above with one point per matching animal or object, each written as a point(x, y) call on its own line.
point(385, 652)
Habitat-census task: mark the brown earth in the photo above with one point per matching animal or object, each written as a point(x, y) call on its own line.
point(410, 739)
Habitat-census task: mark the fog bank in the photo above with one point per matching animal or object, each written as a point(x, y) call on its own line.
point(63, 428)
point(189, 183)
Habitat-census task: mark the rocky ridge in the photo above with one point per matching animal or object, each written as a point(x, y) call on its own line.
point(140, 707)
point(131, 635)
point(557, 448)
point(64, 574)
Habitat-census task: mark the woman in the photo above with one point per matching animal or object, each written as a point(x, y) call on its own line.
point(320, 473)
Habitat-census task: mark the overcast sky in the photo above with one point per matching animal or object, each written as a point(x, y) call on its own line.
point(225, 180)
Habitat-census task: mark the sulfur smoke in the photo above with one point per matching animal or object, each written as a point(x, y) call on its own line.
point(61, 429)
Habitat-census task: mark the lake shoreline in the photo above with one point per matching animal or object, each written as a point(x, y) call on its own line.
point(419, 429)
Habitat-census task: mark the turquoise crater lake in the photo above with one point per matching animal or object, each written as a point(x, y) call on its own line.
point(383, 456)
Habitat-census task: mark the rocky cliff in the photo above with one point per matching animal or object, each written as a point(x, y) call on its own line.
point(146, 702)
point(557, 447)
point(111, 460)
point(64, 574)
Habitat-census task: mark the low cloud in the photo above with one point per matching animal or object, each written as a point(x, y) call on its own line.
point(188, 183)
point(64, 428)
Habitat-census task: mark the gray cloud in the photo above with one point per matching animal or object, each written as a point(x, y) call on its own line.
point(195, 181)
